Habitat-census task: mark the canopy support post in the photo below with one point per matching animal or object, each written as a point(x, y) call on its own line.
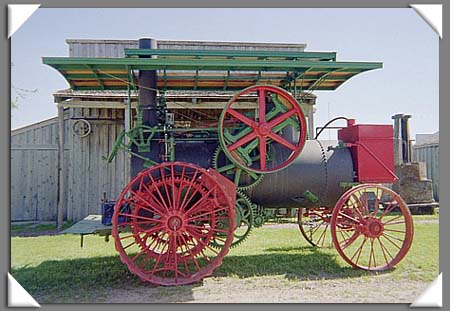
point(61, 170)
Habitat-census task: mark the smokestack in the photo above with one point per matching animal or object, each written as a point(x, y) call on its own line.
point(148, 102)
point(147, 87)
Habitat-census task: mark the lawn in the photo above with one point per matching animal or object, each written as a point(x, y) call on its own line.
point(56, 269)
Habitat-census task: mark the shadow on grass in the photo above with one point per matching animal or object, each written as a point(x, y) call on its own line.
point(86, 279)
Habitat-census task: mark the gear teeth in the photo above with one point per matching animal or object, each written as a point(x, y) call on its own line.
point(244, 236)
point(252, 185)
point(258, 211)
point(215, 164)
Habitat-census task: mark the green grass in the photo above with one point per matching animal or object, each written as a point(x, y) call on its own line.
point(56, 269)
point(30, 227)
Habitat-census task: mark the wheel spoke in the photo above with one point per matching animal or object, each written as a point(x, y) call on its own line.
point(282, 141)
point(394, 223)
point(262, 105)
point(387, 210)
point(244, 119)
point(390, 220)
point(372, 254)
point(194, 260)
point(393, 230)
point(242, 141)
point(350, 240)
point(323, 235)
point(360, 250)
point(208, 229)
point(275, 121)
point(154, 229)
point(194, 192)
point(202, 203)
point(385, 235)
point(384, 250)
point(377, 203)
point(360, 215)
point(348, 217)
point(140, 217)
point(158, 191)
point(166, 189)
point(262, 152)
point(148, 207)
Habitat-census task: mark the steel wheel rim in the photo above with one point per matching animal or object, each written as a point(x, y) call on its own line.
point(372, 236)
point(168, 243)
point(318, 232)
point(264, 132)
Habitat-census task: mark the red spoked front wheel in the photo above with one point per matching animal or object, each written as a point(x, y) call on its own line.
point(165, 219)
point(258, 120)
point(372, 227)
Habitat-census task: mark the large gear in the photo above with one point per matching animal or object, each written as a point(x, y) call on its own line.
point(244, 222)
point(244, 180)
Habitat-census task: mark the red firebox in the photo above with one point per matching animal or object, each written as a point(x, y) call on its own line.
point(372, 148)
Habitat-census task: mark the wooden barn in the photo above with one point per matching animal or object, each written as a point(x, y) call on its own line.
point(72, 172)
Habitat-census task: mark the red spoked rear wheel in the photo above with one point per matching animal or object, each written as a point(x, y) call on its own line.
point(372, 227)
point(266, 119)
point(165, 219)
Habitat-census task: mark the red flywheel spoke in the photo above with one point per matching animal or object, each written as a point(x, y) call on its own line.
point(258, 130)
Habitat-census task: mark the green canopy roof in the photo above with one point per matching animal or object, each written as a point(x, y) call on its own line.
point(210, 69)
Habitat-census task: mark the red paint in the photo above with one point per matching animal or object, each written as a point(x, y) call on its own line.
point(173, 211)
point(371, 227)
point(372, 148)
point(263, 130)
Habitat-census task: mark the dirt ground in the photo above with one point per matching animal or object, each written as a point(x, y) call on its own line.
point(277, 290)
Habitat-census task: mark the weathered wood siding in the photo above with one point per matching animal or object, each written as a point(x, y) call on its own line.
point(34, 171)
point(429, 153)
point(115, 48)
point(34, 166)
point(89, 174)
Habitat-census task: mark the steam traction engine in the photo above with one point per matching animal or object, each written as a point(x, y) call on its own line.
point(200, 185)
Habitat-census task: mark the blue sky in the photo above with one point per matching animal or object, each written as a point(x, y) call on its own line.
point(398, 37)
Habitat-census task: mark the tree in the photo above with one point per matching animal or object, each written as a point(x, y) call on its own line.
point(19, 94)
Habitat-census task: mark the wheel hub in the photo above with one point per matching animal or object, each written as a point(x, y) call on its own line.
point(263, 129)
point(175, 223)
point(373, 228)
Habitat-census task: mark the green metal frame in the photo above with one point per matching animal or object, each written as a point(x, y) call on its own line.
point(322, 56)
point(291, 68)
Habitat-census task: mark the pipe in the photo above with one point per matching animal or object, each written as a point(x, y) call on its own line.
point(350, 122)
